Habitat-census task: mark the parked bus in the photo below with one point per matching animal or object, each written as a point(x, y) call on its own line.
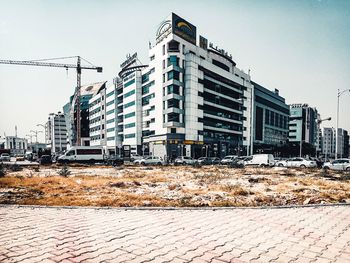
point(82, 154)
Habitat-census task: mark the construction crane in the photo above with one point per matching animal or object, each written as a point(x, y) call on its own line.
point(77, 66)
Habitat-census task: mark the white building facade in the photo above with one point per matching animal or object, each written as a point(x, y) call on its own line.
point(190, 100)
point(56, 132)
point(16, 145)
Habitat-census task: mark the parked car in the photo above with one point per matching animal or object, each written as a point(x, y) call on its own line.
point(150, 160)
point(214, 160)
point(45, 159)
point(338, 164)
point(296, 162)
point(238, 162)
point(185, 160)
point(228, 159)
point(20, 157)
point(259, 160)
point(134, 157)
point(204, 160)
point(114, 160)
point(5, 157)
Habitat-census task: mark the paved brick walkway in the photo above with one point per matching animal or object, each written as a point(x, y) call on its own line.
point(311, 234)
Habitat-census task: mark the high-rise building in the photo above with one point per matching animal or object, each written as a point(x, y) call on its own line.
point(303, 124)
point(271, 118)
point(86, 93)
point(56, 132)
point(191, 99)
point(329, 141)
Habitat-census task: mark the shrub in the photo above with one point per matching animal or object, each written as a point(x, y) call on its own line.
point(64, 171)
point(2, 170)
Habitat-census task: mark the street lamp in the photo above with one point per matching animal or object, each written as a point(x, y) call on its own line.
point(42, 125)
point(36, 134)
point(336, 131)
point(30, 136)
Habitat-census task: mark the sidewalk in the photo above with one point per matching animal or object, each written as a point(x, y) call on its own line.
point(305, 234)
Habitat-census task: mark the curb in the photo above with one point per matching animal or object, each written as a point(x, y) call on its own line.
point(145, 208)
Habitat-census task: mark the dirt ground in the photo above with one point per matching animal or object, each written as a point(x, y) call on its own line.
point(173, 186)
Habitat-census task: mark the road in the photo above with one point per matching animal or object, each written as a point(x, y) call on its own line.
point(304, 234)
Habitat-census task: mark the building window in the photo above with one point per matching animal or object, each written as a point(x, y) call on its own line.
point(128, 115)
point(145, 100)
point(174, 117)
point(128, 94)
point(127, 105)
point(173, 89)
point(163, 50)
point(152, 57)
point(163, 63)
point(109, 112)
point(145, 89)
point(173, 60)
point(128, 136)
point(173, 130)
point(173, 46)
point(173, 103)
point(129, 125)
point(110, 94)
point(129, 83)
point(173, 75)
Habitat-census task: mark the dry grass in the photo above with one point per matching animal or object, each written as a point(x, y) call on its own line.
point(173, 186)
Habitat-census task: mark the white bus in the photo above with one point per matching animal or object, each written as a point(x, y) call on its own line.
point(82, 154)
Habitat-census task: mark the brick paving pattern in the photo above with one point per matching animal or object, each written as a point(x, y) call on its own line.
point(304, 234)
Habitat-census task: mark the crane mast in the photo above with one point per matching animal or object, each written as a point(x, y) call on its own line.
point(77, 92)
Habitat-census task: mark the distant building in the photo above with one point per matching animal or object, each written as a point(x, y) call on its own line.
point(303, 124)
point(104, 120)
point(328, 143)
point(346, 144)
point(86, 93)
point(271, 118)
point(56, 132)
point(16, 145)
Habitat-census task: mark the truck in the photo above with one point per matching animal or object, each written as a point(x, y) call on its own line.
point(83, 154)
point(259, 160)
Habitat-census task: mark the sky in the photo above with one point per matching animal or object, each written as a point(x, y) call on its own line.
point(301, 48)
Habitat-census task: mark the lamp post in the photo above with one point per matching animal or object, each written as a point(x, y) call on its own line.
point(36, 135)
point(336, 131)
point(42, 125)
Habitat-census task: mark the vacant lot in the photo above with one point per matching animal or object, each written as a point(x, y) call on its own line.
point(173, 186)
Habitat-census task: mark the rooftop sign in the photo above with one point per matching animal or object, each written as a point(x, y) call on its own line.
point(129, 60)
point(184, 29)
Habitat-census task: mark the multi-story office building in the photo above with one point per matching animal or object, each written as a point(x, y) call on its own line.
point(16, 145)
point(329, 141)
point(56, 132)
point(271, 118)
point(346, 144)
point(86, 93)
point(191, 99)
point(303, 124)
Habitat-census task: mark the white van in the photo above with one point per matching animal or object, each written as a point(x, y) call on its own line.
point(259, 160)
point(82, 154)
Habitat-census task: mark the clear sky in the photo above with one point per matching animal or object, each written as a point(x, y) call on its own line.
point(301, 48)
